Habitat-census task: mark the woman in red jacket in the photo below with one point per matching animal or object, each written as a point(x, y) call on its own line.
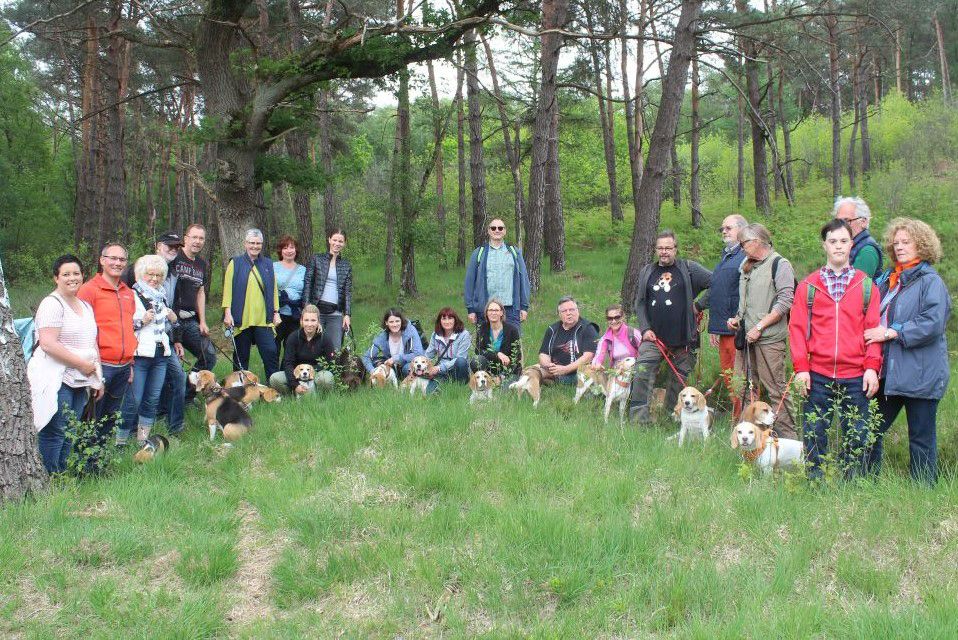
point(835, 369)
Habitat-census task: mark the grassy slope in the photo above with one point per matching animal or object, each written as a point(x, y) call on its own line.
point(381, 516)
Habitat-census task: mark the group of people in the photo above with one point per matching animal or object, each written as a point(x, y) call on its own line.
point(853, 330)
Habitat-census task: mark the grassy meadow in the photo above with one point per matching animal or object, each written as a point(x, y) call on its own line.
point(374, 515)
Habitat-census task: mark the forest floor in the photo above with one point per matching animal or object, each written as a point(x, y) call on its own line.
point(373, 515)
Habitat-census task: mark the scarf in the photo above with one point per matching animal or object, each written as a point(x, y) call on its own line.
point(897, 271)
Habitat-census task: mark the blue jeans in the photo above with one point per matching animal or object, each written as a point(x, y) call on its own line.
point(332, 324)
point(52, 440)
point(844, 399)
point(922, 434)
point(458, 372)
point(116, 381)
point(173, 397)
point(143, 399)
point(265, 341)
point(197, 344)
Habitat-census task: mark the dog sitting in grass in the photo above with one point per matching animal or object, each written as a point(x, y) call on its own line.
point(223, 413)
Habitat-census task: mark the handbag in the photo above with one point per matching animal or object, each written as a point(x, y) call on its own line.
point(740, 340)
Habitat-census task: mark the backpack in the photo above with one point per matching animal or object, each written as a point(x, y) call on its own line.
point(512, 250)
point(810, 299)
point(794, 285)
point(630, 332)
point(26, 330)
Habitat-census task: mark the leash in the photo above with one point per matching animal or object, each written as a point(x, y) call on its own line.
point(784, 393)
point(664, 351)
point(230, 333)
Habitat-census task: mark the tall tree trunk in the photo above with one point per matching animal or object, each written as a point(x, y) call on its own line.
point(407, 218)
point(898, 78)
point(331, 214)
point(297, 143)
point(117, 74)
point(608, 141)
point(461, 158)
point(759, 160)
point(554, 225)
point(85, 219)
point(438, 134)
point(786, 139)
point(673, 152)
point(695, 195)
point(866, 140)
point(553, 16)
point(942, 59)
point(21, 470)
point(663, 134)
point(740, 138)
point(835, 111)
point(633, 117)
point(512, 149)
point(477, 166)
point(853, 138)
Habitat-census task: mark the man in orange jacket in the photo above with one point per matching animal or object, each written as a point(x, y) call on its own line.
point(836, 370)
point(113, 306)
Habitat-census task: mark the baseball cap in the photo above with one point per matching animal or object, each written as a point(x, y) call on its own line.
point(170, 239)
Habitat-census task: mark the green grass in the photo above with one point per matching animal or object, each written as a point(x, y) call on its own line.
point(374, 515)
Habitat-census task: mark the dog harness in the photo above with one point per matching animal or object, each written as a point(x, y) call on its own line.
point(755, 454)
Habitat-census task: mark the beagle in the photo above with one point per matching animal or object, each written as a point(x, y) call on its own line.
point(759, 413)
point(153, 446)
point(529, 382)
point(417, 380)
point(695, 416)
point(767, 451)
point(240, 378)
point(589, 379)
point(250, 393)
point(619, 387)
point(304, 375)
point(223, 412)
point(482, 384)
point(383, 376)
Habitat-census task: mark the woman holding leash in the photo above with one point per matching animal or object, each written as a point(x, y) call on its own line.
point(395, 346)
point(329, 285)
point(63, 369)
point(915, 307)
point(620, 341)
point(290, 277)
point(449, 348)
point(307, 345)
point(498, 350)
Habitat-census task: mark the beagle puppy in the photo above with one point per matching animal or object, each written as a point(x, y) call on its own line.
point(239, 378)
point(417, 380)
point(305, 375)
point(588, 379)
point(154, 445)
point(693, 413)
point(529, 382)
point(767, 451)
point(619, 386)
point(383, 376)
point(482, 384)
point(223, 412)
point(759, 413)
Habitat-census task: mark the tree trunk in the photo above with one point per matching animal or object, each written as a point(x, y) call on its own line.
point(461, 159)
point(663, 134)
point(512, 149)
point(835, 111)
point(553, 16)
point(297, 143)
point(673, 153)
point(853, 138)
point(633, 117)
point(898, 78)
point(438, 134)
point(608, 141)
point(759, 160)
point(331, 215)
point(866, 140)
point(554, 225)
point(942, 59)
point(740, 176)
point(477, 166)
point(85, 218)
point(21, 470)
point(695, 195)
point(407, 218)
point(786, 140)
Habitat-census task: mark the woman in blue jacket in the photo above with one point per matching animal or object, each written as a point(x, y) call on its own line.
point(915, 307)
point(395, 346)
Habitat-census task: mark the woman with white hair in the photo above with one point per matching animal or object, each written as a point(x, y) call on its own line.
point(251, 304)
point(152, 322)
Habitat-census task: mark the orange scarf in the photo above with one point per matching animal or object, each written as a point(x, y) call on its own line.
point(896, 273)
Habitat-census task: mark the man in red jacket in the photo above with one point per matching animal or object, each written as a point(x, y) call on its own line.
point(837, 371)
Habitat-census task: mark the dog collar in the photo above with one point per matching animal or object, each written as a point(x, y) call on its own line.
point(754, 454)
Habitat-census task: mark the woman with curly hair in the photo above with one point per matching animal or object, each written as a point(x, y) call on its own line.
point(915, 307)
point(449, 349)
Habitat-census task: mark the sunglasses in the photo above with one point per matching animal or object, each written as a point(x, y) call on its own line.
point(495, 228)
point(613, 318)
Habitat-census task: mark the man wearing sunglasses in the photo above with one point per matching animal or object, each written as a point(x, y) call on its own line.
point(866, 252)
point(497, 270)
point(723, 302)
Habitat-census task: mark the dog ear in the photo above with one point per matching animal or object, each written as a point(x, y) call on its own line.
point(735, 437)
point(496, 381)
point(677, 411)
point(762, 436)
point(701, 401)
point(472, 381)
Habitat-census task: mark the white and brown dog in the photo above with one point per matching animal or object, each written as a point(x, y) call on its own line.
point(304, 375)
point(240, 378)
point(759, 413)
point(694, 415)
point(765, 450)
point(529, 382)
point(619, 386)
point(223, 412)
point(417, 380)
point(482, 384)
point(382, 376)
point(589, 379)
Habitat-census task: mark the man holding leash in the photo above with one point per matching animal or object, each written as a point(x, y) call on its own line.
point(834, 368)
point(497, 270)
point(666, 314)
point(723, 302)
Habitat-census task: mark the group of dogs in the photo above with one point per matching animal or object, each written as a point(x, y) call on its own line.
point(228, 403)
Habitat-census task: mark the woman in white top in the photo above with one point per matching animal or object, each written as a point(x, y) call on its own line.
point(66, 361)
point(152, 322)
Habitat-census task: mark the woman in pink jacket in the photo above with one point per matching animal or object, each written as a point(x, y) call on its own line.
point(619, 341)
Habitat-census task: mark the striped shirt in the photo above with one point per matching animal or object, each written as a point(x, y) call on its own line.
point(77, 332)
point(837, 283)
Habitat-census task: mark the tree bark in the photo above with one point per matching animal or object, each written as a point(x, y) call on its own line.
point(740, 176)
point(633, 110)
point(461, 159)
point(835, 110)
point(85, 219)
point(663, 134)
point(554, 220)
point(438, 134)
point(21, 470)
point(866, 139)
point(786, 140)
point(759, 159)
point(608, 141)
point(695, 195)
point(554, 14)
point(942, 59)
point(407, 217)
point(673, 152)
point(297, 143)
point(853, 138)
point(477, 166)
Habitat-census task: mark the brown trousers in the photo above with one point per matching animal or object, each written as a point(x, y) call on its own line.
point(767, 367)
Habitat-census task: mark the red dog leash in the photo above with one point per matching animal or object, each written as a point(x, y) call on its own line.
point(665, 354)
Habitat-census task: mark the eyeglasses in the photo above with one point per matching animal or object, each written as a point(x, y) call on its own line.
point(120, 259)
point(665, 248)
point(745, 242)
point(613, 318)
point(496, 228)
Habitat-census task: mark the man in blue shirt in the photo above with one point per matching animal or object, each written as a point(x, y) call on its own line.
point(723, 302)
point(497, 270)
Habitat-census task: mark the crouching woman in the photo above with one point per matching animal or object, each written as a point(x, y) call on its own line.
point(307, 345)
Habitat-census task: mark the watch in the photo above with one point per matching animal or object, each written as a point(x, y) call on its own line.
point(888, 333)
